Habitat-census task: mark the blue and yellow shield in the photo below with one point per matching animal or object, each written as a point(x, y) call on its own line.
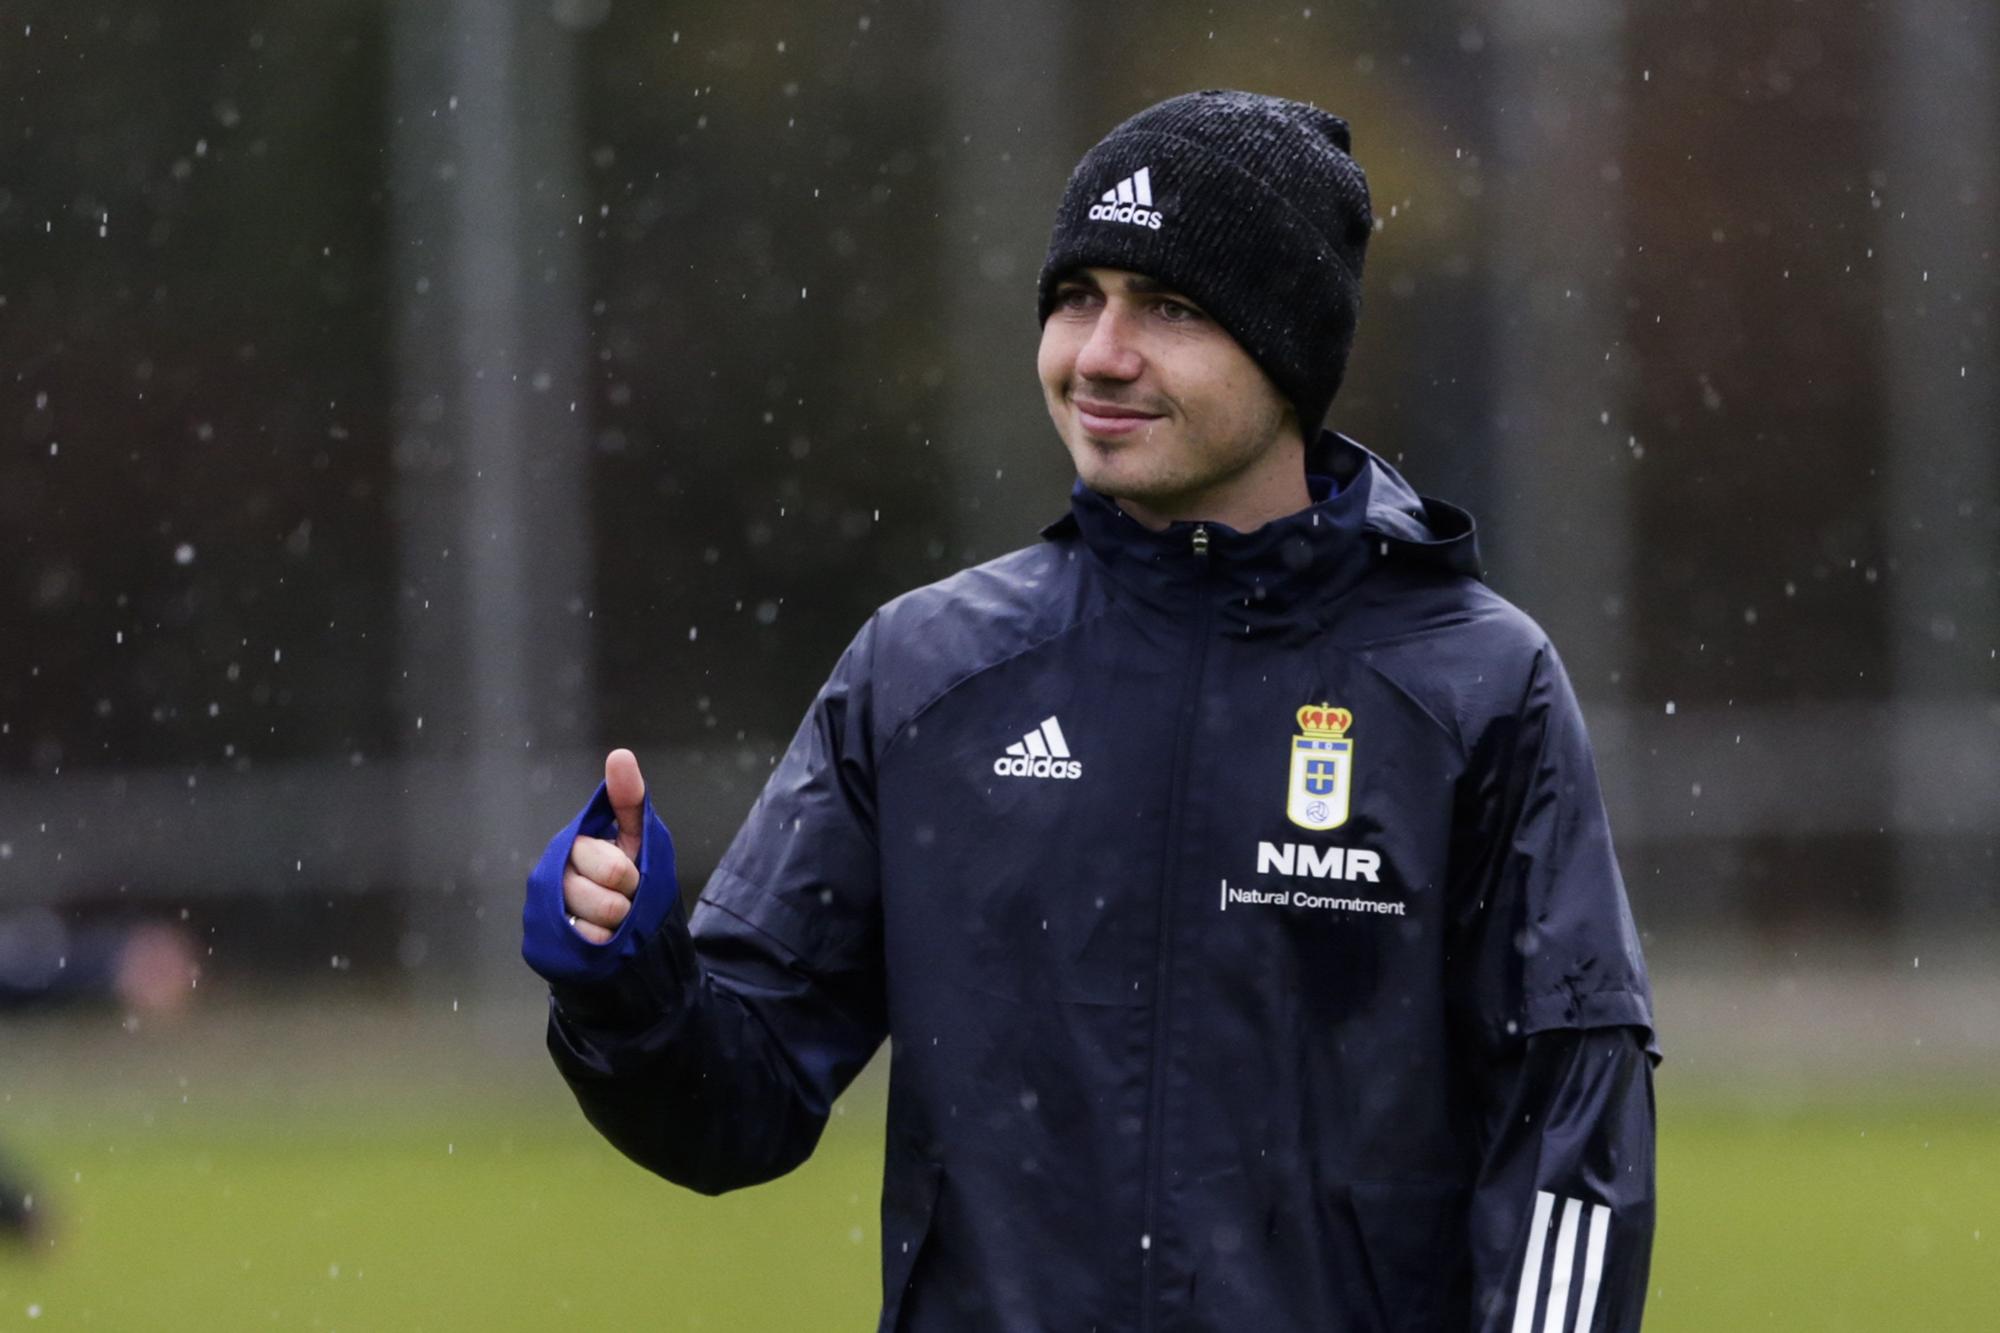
point(1322, 776)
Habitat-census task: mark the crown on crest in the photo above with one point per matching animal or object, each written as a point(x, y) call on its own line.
point(1325, 720)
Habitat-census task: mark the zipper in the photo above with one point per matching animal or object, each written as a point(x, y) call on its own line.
point(1156, 1080)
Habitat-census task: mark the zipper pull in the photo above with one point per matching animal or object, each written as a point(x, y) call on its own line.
point(1199, 539)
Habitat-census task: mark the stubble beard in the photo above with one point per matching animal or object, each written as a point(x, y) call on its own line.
point(1125, 471)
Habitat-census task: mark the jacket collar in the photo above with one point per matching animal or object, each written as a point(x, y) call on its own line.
point(1363, 513)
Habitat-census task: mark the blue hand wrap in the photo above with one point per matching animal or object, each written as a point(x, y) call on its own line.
point(549, 943)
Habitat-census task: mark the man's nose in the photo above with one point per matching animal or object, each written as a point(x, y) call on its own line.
point(1109, 354)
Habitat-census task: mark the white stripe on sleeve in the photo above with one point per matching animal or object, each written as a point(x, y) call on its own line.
point(1593, 1267)
point(1565, 1267)
point(1531, 1264)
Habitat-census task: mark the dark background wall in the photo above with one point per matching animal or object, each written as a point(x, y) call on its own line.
point(398, 407)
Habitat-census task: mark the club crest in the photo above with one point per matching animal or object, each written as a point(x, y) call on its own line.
point(1322, 768)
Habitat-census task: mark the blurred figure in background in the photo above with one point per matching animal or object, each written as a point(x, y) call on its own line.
point(143, 968)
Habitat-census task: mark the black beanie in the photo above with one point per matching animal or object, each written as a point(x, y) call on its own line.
point(1251, 207)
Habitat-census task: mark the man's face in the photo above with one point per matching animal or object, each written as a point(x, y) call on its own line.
point(1160, 408)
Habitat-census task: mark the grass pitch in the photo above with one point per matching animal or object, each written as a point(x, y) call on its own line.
point(366, 1170)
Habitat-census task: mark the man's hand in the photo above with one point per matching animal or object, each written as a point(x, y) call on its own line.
point(603, 875)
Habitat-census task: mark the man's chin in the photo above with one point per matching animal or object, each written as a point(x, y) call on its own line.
point(1111, 483)
point(1141, 501)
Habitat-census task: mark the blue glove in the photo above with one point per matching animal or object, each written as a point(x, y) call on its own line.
point(551, 945)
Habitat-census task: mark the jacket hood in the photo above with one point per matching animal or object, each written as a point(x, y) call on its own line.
point(1418, 527)
point(1363, 513)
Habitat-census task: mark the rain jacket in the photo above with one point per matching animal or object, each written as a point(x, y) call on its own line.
point(1242, 915)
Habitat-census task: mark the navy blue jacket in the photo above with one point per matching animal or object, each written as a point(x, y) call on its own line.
point(1242, 914)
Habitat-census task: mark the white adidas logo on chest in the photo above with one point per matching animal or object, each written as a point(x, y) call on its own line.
point(1042, 753)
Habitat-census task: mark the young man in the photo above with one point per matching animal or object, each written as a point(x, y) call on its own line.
point(1228, 869)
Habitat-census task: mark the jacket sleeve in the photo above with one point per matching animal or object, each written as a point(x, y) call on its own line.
point(1554, 1011)
point(1562, 1216)
point(710, 1050)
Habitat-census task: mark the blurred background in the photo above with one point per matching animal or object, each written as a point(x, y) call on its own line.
point(402, 403)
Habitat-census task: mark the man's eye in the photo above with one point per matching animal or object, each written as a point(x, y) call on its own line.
point(1176, 312)
point(1074, 298)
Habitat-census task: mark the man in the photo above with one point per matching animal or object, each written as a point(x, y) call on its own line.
point(147, 968)
point(1228, 869)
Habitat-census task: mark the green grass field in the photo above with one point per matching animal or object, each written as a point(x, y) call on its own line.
point(372, 1170)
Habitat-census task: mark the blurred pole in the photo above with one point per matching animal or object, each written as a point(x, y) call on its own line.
point(1559, 543)
point(491, 460)
point(1009, 147)
point(1938, 200)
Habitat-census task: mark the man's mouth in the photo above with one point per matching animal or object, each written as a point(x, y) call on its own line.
point(1110, 419)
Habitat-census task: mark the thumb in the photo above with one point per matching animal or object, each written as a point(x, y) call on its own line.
point(627, 792)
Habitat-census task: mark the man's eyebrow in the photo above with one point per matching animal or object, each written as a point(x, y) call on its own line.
point(1139, 284)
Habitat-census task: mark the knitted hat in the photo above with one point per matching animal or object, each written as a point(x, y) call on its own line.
point(1250, 206)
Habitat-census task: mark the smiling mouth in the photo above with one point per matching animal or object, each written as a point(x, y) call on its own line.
point(1110, 420)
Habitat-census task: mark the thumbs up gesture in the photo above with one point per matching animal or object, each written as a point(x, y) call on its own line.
point(603, 873)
